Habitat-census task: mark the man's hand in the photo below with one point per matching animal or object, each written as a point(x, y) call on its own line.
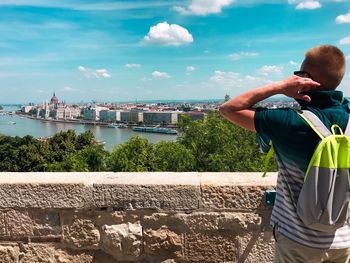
point(238, 110)
point(295, 86)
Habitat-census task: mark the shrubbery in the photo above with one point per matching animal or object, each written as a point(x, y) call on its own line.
point(212, 144)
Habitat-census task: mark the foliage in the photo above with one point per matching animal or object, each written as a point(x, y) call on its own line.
point(172, 156)
point(218, 145)
point(211, 144)
point(21, 154)
point(136, 155)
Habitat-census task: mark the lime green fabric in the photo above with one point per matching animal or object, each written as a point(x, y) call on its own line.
point(332, 152)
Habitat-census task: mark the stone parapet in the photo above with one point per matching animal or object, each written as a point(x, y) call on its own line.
point(135, 217)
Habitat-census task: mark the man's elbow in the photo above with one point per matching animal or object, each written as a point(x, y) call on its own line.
point(225, 109)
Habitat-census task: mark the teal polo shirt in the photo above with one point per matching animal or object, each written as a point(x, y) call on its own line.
point(292, 138)
point(294, 143)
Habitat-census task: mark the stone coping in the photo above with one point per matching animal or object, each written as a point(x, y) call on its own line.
point(139, 178)
point(121, 191)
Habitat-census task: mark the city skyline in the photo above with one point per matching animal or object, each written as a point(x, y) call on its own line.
point(159, 50)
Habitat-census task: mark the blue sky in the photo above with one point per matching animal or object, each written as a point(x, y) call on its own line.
point(125, 50)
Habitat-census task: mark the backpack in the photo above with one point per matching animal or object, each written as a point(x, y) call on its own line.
point(324, 200)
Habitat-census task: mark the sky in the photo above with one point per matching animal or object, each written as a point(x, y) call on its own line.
point(111, 50)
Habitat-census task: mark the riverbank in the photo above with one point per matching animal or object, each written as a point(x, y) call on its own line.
point(85, 122)
point(33, 127)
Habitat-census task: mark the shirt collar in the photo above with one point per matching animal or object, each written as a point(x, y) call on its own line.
point(323, 99)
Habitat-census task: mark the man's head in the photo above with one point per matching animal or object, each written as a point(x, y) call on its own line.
point(326, 65)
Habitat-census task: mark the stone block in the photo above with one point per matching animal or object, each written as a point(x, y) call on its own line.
point(239, 222)
point(102, 257)
point(37, 253)
point(45, 223)
point(157, 220)
point(122, 241)
point(18, 224)
point(161, 197)
point(256, 247)
point(45, 196)
point(8, 254)
point(69, 256)
point(232, 197)
point(115, 217)
point(51, 253)
point(162, 242)
point(213, 247)
point(81, 233)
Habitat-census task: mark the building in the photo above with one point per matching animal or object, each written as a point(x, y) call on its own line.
point(136, 116)
point(109, 116)
point(125, 116)
point(93, 113)
point(26, 109)
point(66, 113)
point(160, 117)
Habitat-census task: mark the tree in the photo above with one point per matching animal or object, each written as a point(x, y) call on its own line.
point(136, 155)
point(62, 144)
point(172, 156)
point(227, 98)
point(218, 145)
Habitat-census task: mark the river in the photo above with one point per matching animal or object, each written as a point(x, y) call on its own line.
point(37, 128)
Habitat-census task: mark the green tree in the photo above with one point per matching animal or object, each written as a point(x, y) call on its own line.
point(227, 98)
point(136, 155)
point(62, 144)
point(84, 139)
point(172, 156)
point(218, 145)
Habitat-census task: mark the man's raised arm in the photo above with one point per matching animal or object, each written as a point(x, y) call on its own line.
point(239, 109)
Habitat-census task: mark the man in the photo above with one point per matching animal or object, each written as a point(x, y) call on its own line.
point(294, 142)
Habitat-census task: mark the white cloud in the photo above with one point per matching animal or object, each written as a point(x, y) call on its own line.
point(91, 73)
point(342, 19)
point(293, 63)
point(190, 69)
point(238, 56)
point(267, 70)
point(203, 7)
point(344, 41)
point(168, 35)
point(132, 65)
point(158, 74)
point(67, 89)
point(144, 79)
point(236, 80)
point(309, 5)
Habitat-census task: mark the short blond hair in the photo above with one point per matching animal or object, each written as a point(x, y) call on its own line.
point(326, 64)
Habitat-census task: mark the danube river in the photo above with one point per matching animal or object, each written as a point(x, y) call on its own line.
point(37, 128)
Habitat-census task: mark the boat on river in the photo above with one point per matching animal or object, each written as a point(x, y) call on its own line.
point(114, 125)
point(154, 130)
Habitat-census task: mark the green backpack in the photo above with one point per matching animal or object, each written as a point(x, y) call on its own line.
point(323, 203)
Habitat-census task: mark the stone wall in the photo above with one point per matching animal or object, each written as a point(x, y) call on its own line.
point(134, 217)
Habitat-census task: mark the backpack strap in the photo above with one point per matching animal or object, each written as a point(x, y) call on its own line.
point(347, 129)
point(315, 123)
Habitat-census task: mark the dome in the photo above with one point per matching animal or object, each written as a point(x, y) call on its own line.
point(54, 99)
